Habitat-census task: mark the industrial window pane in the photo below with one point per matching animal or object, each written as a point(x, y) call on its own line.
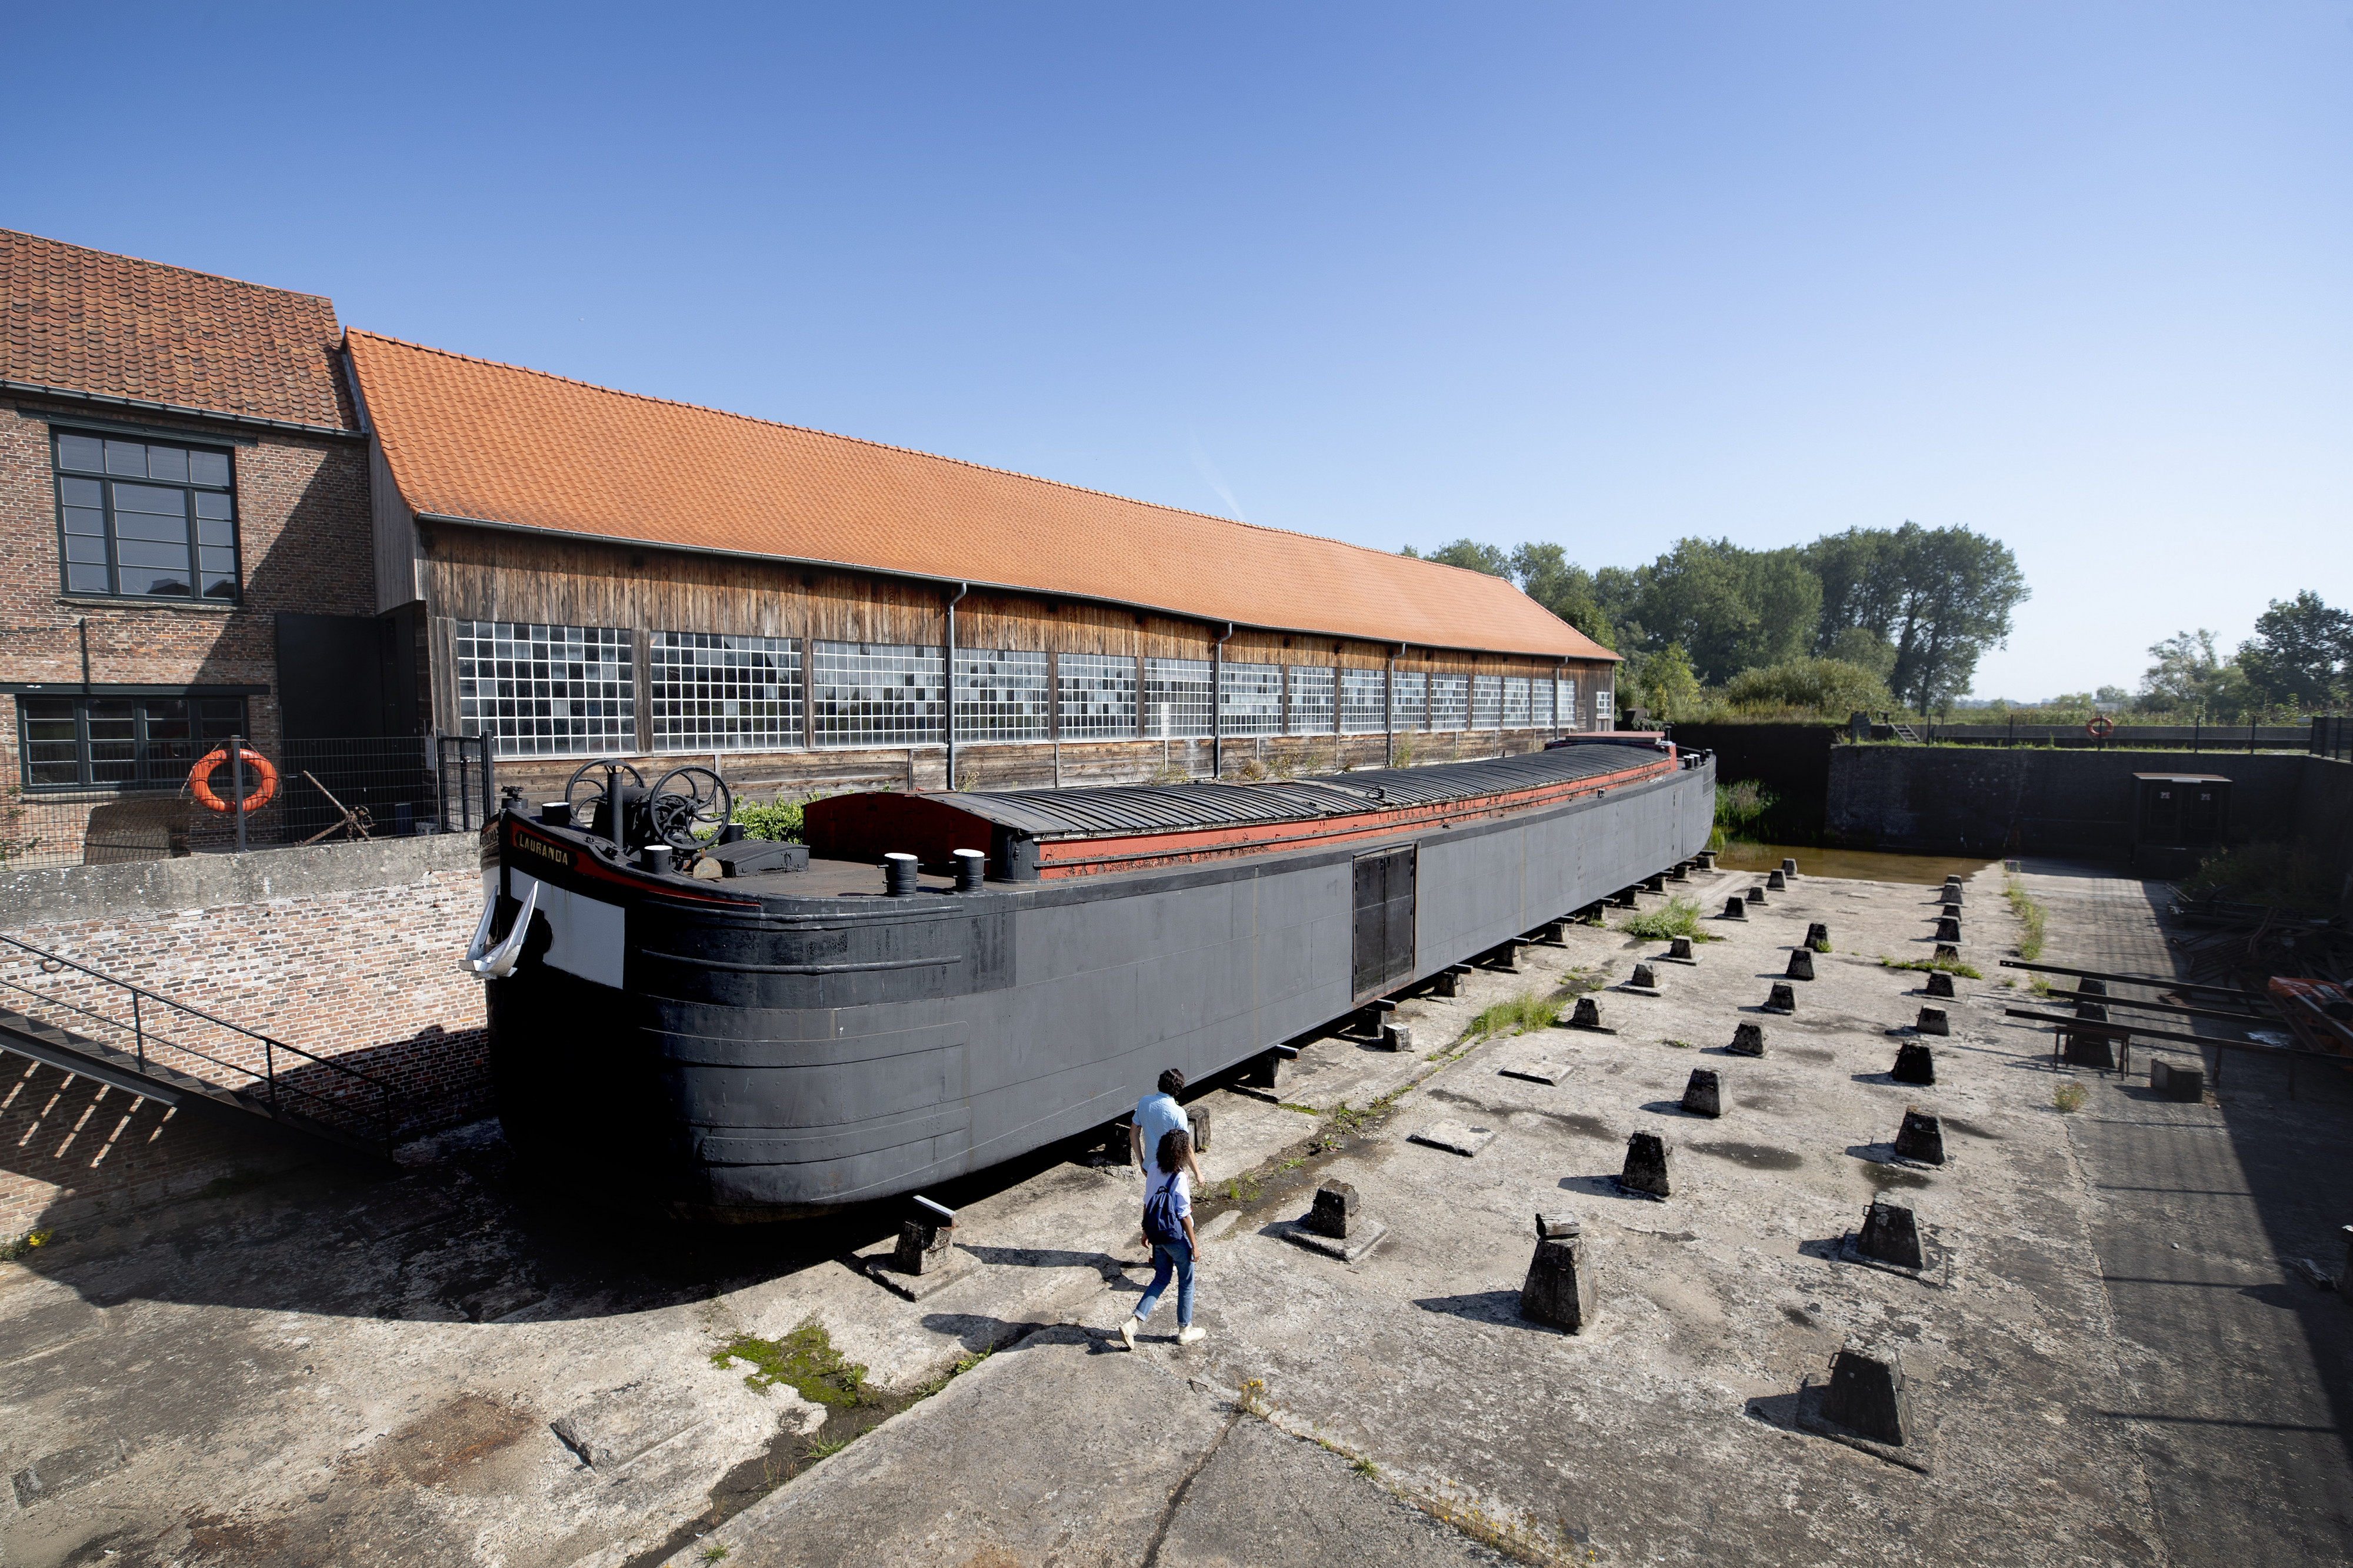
point(139, 525)
point(211, 503)
point(81, 492)
point(168, 463)
point(1486, 701)
point(1097, 696)
point(208, 469)
point(1176, 698)
point(1565, 702)
point(1604, 713)
point(126, 457)
point(574, 689)
point(1515, 703)
point(142, 742)
point(87, 453)
point(1364, 701)
point(1001, 696)
point(51, 740)
point(1251, 698)
point(1540, 704)
point(1408, 695)
point(878, 694)
point(1449, 699)
point(111, 726)
point(148, 522)
point(82, 578)
point(713, 691)
point(1313, 699)
point(151, 499)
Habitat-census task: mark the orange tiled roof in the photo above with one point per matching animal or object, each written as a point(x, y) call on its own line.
point(90, 321)
point(470, 438)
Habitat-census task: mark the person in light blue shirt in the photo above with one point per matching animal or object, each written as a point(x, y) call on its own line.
point(1156, 1116)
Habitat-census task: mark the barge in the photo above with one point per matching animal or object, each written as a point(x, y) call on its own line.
point(791, 1036)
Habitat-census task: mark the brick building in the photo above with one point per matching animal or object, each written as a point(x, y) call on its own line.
point(182, 488)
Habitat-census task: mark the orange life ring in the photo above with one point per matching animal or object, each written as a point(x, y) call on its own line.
point(204, 771)
point(2100, 727)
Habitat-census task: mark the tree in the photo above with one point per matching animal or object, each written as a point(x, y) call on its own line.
point(1828, 687)
point(1471, 555)
point(1731, 608)
point(1940, 597)
point(1669, 689)
point(2189, 677)
point(2301, 655)
point(1862, 647)
point(1547, 574)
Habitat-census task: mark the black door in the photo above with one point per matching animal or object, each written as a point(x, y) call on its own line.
point(1384, 907)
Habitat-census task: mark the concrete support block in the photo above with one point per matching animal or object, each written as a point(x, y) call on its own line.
point(1655, 884)
point(1867, 1393)
point(1646, 1165)
point(1952, 894)
point(1755, 895)
point(1788, 865)
point(1801, 963)
point(1818, 937)
point(1890, 1234)
point(2090, 1049)
point(1948, 930)
point(1735, 908)
point(1680, 950)
point(1267, 1071)
point(1706, 859)
point(1644, 978)
point(1588, 1016)
point(1623, 898)
point(1947, 953)
point(1915, 1063)
point(1940, 983)
point(1449, 984)
point(2091, 1012)
point(1703, 1096)
point(1682, 872)
point(1951, 911)
point(1777, 880)
point(2091, 987)
point(1782, 999)
point(2187, 1085)
point(1197, 1119)
point(923, 1248)
point(1559, 1288)
point(1553, 932)
point(1934, 1021)
point(1398, 1036)
point(1921, 1138)
point(1748, 1040)
point(1334, 1213)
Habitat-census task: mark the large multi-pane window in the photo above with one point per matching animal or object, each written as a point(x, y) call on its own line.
point(1364, 701)
point(1486, 701)
point(147, 517)
point(1097, 696)
point(1515, 703)
point(1310, 700)
point(713, 693)
point(1175, 698)
point(1252, 699)
point(1564, 702)
point(1604, 713)
point(1450, 699)
point(878, 694)
point(1408, 699)
point(1540, 704)
point(123, 742)
point(548, 691)
point(1002, 696)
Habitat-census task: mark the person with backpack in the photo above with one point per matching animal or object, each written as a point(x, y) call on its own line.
point(1169, 1226)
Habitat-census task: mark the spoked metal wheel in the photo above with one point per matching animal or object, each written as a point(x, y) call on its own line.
point(688, 806)
point(574, 797)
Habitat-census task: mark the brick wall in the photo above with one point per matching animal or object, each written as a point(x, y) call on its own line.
point(349, 951)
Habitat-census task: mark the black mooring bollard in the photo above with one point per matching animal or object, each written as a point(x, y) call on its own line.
point(1921, 1138)
point(1559, 1288)
point(1801, 963)
point(1777, 881)
point(1748, 1040)
point(1891, 1234)
point(1915, 1063)
point(1818, 937)
point(1867, 1393)
point(1646, 1165)
point(1735, 908)
point(1948, 930)
point(1940, 983)
point(1934, 1021)
point(1782, 999)
point(1704, 1095)
point(1755, 895)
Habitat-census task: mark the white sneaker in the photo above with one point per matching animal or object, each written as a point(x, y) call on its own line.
point(1190, 1335)
point(1128, 1333)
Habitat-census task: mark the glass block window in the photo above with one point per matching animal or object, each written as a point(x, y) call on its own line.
point(1175, 698)
point(1097, 696)
point(1364, 701)
point(1252, 699)
point(145, 519)
point(1450, 701)
point(1486, 701)
point(1515, 703)
point(715, 693)
point(1540, 703)
point(548, 691)
point(1407, 698)
point(1565, 702)
point(1002, 696)
point(1604, 715)
point(128, 742)
point(1310, 700)
point(878, 694)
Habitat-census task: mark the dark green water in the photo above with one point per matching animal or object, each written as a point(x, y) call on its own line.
point(1862, 864)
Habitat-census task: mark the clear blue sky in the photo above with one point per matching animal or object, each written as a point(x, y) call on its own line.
point(2077, 277)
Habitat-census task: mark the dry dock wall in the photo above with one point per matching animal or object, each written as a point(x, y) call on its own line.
point(347, 950)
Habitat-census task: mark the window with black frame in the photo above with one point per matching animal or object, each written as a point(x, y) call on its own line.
point(146, 519)
point(120, 743)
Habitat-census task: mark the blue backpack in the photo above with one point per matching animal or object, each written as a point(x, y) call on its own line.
point(1162, 1227)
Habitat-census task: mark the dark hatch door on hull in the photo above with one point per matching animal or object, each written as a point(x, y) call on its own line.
point(1383, 904)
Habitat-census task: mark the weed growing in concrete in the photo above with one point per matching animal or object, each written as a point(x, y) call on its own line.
point(964, 1364)
point(803, 1361)
point(2031, 918)
point(1679, 1045)
point(1680, 918)
point(1517, 1017)
point(1949, 965)
point(1365, 1468)
point(2038, 985)
point(715, 1553)
point(1252, 1398)
point(1517, 1539)
point(827, 1447)
point(1302, 1110)
point(2068, 1097)
point(1243, 1189)
point(16, 1247)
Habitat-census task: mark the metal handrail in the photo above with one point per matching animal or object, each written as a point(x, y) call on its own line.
point(140, 1033)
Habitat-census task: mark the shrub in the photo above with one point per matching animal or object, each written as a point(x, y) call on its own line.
point(1518, 1016)
point(1829, 687)
point(2068, 1097)
point(778, 819)
point(1740, 809)
point(2275, 874)
point(1680, 918)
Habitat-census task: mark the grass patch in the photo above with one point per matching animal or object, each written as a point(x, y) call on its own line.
point(803, 1361)
point(715, 1553)
point(2068, 1097)
point(1521, 1014)
point(1680, 917)
point(1948, 965)
point(1679, 1045)
point(1241, 1189)
point(964, 1363)
point(2032, 917)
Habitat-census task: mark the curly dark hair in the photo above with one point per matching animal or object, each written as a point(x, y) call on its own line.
point(1176, 1147)
point(1172, 1081)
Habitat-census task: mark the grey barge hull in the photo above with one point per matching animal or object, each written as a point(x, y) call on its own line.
point(784, 1045)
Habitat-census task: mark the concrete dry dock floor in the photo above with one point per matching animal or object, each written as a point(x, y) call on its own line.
point(2121, 1365)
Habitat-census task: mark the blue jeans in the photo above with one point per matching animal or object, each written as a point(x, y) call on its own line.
point(1170, 1257)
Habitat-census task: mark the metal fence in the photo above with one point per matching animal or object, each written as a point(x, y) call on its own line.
point(2182, 737)
point(2332, 736)
point(326, 791)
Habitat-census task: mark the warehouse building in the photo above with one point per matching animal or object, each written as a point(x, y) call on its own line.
point(601, 575)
